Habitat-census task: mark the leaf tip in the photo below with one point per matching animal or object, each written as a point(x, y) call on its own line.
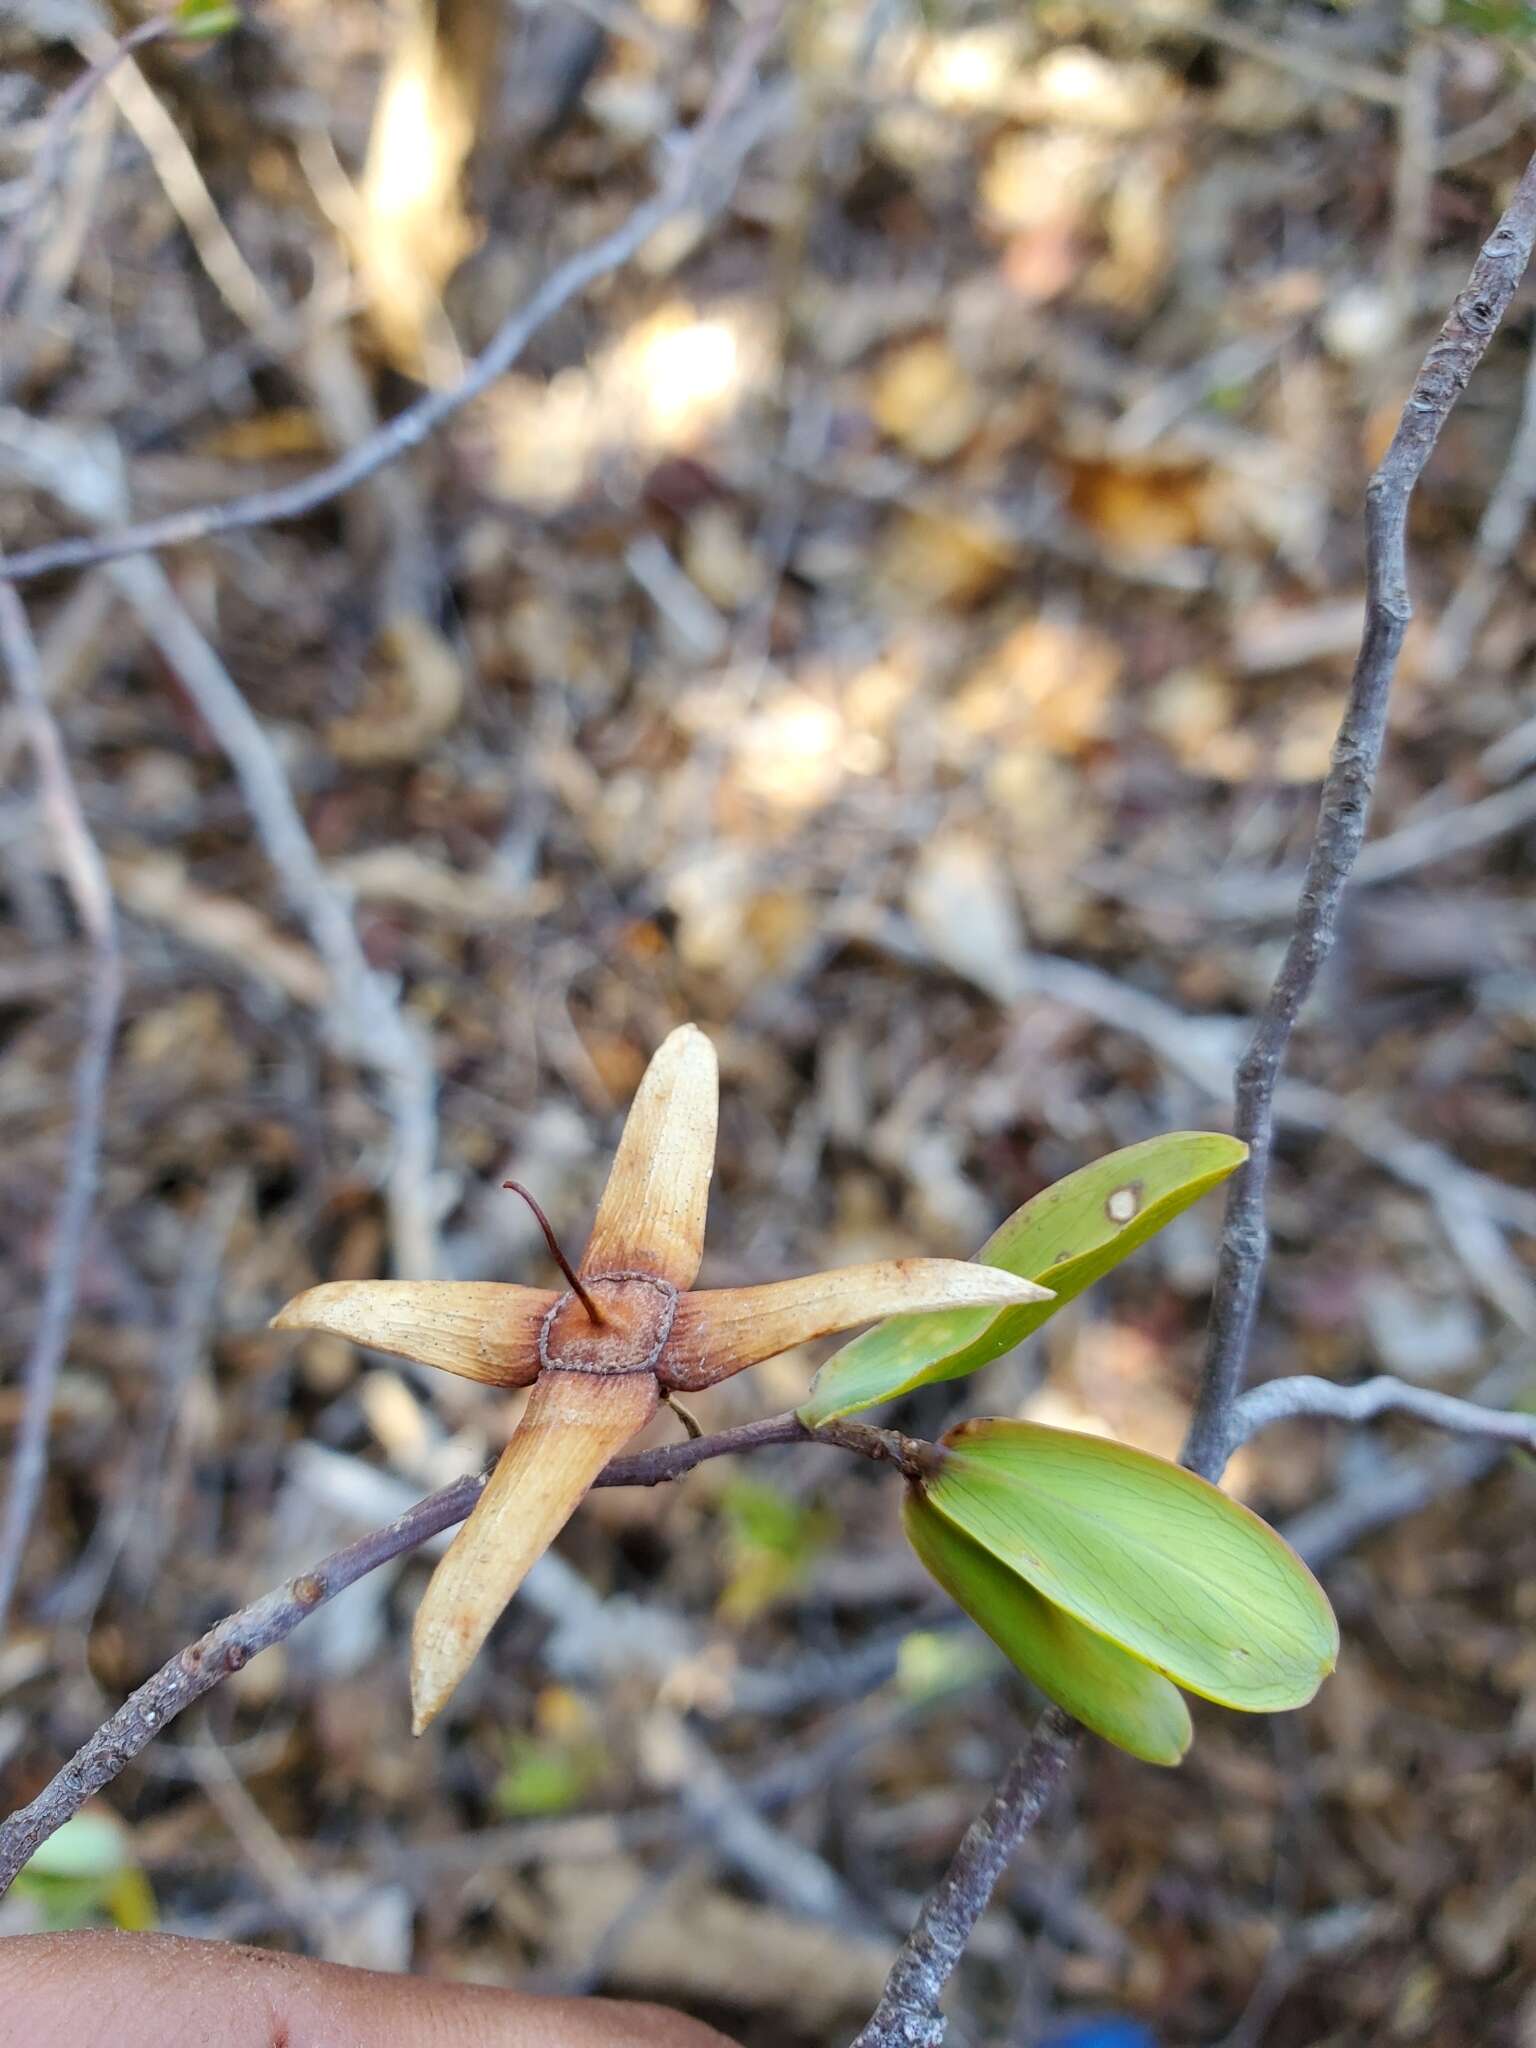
point(318, 1307)
point(683, 1034)
point(292, 1316)
point(445, 1640)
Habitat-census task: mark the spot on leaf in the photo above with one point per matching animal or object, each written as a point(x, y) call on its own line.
point(1123, 1204)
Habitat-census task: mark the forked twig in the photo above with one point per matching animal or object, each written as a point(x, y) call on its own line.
point(1346, 799)
point(1302, 1394)
point(917, 1980)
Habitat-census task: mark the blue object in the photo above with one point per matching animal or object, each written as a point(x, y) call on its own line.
point(1108, 2032)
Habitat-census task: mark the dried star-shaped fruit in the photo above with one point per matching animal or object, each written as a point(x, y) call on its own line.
point(600, 1355)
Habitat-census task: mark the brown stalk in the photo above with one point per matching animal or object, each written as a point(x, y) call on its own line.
point(556, 1254)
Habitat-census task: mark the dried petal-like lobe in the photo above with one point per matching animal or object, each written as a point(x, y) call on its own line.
point(651, 1217)
point(722, 1331)
point(476, 1328)
point(573, 1424)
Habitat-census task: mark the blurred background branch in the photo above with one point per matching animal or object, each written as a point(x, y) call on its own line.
point(85, 877)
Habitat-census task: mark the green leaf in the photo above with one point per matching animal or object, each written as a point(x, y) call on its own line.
point(773, 1540)
point(1070, 1235)
point(1103, 1686)
point(84, 1876)
point(1515, 18)
point(1159, 1561)
point(200, 21)
point(93, 1844)
point(547, 1774)
point(1526, 1405)
point(763, 1517)
point(933, 1663)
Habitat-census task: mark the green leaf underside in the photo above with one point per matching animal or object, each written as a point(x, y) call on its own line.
point(1067, 1237)
point(1106, 1688)
point(1162, 1563)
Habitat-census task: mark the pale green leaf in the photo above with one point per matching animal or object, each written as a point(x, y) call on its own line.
point(548, 1774)
point(1067, 1237)
point(93, 1844)
point(933, 1663)
point(1161, 1562)
point(1101, 1685)
point(84, 1876)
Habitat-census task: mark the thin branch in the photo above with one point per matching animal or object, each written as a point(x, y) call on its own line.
point(231, 1643)
point(702, 174)
point(1413, 179)
point(1269, 896)
point(303, 1904)
point(186, 189)
point(85, 877)
point(31, 215)
point(1199, 1048)
point(908, 2013)
point(1345, 805)
point(671, 1461)
point(226, 1648)
point(1302, 1394)
point(1498, 534)
point(373, 1024)
point(367, 1021)
point(1311, 61)
point(1448, 833)
point(132, 1524)
point(786, 1871)
point(907, 2016)
point(1486, 133)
